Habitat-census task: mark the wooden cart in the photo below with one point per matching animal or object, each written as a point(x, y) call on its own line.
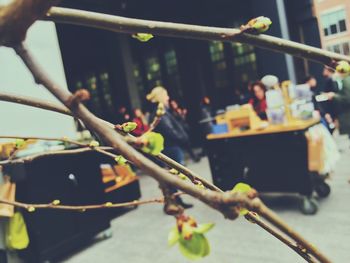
point(274, 159)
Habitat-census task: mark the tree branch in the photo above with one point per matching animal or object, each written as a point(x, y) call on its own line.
point(18, 16)
point(253, 218)
point(257, 207)
point(107, 205)
point(12, 31)
point(34, 157)
point(131, 26)
point(110, 137)
point(63, 139)
point(34, 102)
point(275, 220)
point(38, 103)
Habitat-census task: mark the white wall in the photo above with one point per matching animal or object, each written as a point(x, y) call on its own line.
point(16, 119)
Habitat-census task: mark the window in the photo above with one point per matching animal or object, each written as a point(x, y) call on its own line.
point(245, 63)
point(342, 48)
point(138, 78)
point(91, 85)
point(217, 56)
point(173, 77)
point(171, 62)
point(153, 71)
point(334, 22)
point(106, 90)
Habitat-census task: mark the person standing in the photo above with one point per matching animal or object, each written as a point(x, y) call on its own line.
point(341, 102)
point(141, 121)
point(330, 85)
point(258, 100)
point(180, 115)
point(174, 134)
point(206, 116)
point(312, 83)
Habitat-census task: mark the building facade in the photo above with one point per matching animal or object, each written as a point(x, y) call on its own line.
point(334, 24)
point(119, 70)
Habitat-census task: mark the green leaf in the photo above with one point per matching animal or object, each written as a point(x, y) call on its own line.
point(204, 228)
point(195, 248)
point(129, 126)
point(155, 143)
point(173, 236)
point(206, 247)
point(143, 37)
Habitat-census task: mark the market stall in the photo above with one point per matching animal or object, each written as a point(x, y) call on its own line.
point(288, 154)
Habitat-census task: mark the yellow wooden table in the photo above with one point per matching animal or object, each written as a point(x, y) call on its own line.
point(287, 127)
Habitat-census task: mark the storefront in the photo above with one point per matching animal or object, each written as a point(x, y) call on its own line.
point(119, 70)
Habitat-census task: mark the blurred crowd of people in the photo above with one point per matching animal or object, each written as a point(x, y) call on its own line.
point(334, 109)
point(173, 125)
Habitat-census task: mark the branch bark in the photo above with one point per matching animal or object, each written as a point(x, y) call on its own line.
point(31, 158)
point(38, 103)
point(25, 12)
point(255, 219)
point(107, 205)
point(110, 137)
point(34, 102)
point(257, 206)
point(131, 26)
point(18, 16)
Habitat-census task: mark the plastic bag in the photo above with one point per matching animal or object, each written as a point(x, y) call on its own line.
point(16, 233)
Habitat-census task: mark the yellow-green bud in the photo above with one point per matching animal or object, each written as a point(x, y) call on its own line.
point(31, 209)
point(143, 37)
point(19, 143)
point(56, 202)
point(120, 160)
point(94, 144)
point(260, 24)
point(343, 67)
point(174, 171)
point(182, 176)
point(129, 126)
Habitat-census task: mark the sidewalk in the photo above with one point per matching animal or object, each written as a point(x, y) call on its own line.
point(140, 236)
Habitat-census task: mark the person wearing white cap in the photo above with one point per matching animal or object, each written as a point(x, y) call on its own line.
point(269, 81)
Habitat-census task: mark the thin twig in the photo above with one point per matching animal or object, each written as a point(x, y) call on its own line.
point(154, 124)
point(275, 220)
point(34, 157)
point(226, 203)
point(131, 26)
point(110, 137)
point(192, 176)
point(255, 219)
point(107, 205)
point(38, 103)
point(34, 102)
point(62, 139)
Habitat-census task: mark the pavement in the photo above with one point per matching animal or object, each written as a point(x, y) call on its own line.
point(140, 235)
